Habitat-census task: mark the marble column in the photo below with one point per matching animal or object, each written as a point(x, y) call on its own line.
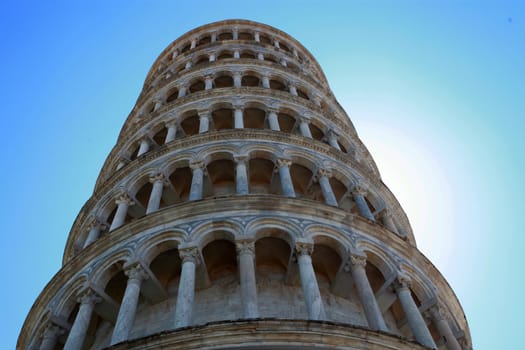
point(235, 34)
point(213, 37)
point(236, 54)
point(257, 36)
point(305, 128)
point(186, 292)
point(50, 336)
point(260, 56)
point(273, 120)
point(285, 177)
point(265, 81)
point(171, 135)
point(358, 194)
point(366, 295)
point(182, 92)
point(237, 79)
point(444, 329)
point(276, 43)
point(123, 203)
point(188, 65)
point(193, 43)
point(77, 334)
point(284, 63)
point(174, 54)
point(292, 89)
point(386, 215)
point(332, 140)
point(414, 318)
point(197, 181)
point(312, 295)
point(208, 82)
point(144, 147)
point(128, 306)
point(204, 122)
point(241, 175)
point(245, 258)
point(155, 196)
point(94, 232)
point(212, 57)
point(238, 117)
point(326, 188)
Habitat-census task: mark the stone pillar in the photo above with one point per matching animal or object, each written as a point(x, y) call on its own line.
point(144, 147)
point(241, 175)
point(285, 177)
point(208, 82)
point(238, 117)
point(213, 37)
point(155, 196)
point(260, 56)
point(312, 295)
point(235, 34)
point(265, 81)
point(273, 120)
point(94, 232)
point(212, 57)
point(123, 203)
point(237, 79)
point(50, 336)
point(386, 215)
point(122, 162)
point(276, 43)
point(359, 198)
point(204, 122)
point(305, 128)
point(283, 62)
point(236, 54)
point(295, 53)
point(174, 54)
point(158, 103)
point(188, 65)
point(186, 292)
point(128, 306)
point(197, 181)
point(193, 43)
point(245, 258)
point(171, 135)
point(292, 89)
point(444, 329)
point(75, 340)
point(182, 92)
point(366, 295)
point(414, 318)
point(332, 139)
point(326, 188)
point(257, 37)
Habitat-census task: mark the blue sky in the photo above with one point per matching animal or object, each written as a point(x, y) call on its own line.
point(436, 91)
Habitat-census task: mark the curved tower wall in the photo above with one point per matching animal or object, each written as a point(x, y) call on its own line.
point(239, 207)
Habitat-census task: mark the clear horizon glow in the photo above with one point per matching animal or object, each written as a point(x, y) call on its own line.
point(435, 90)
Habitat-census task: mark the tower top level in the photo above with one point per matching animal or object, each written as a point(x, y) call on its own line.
point(240, 209)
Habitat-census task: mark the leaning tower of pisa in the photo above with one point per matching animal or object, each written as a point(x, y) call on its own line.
point(239, 209)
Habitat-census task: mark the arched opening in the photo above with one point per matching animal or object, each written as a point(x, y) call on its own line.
point(185, 48)
point(172, 95)
point(286, 122)
point(196, 86)
point(277, 85)
point(190, 124)
point(270, 58)
point(180, 181)
point(143, 194)
point(254, 118)
point(284, 47)
point(205, 40)
point(245, 36)
point(265, 40)
point(225, 36)
point(301, 178)
point(326, 263)
point(202, 60)
point(166, 267)
point(338, 188)
point(261, 175)
point(250, 80)
point(317, 133)
point(160, 136)
point(223, 81)
point(222, 177)
point(302, 94)
point(222, 118)
point(225, 55)
point(247, 55)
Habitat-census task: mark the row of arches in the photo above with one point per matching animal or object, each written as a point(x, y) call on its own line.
point(224, 171)
point(220, 254)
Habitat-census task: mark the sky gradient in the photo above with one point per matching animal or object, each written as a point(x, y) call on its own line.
point(436, 91)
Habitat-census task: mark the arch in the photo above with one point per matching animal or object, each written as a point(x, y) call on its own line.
point(274, 227)
point(159, 243)
point(190, 122)
point(210, 231)
point(196, 85)
point(109, 265)
point(221, 174)
point(260, 175)
point(173, 94)
point(223, 80)
point(244, 35)
point(250, 79)
point(378, 256)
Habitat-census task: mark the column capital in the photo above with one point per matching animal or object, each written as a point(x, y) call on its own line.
point(189, 254)
point(403, 281)
point(386, 213)
point(273, 109)
point(357, 260)
point(246, 246)
point(198, 164)
point(324, 173)
point(124, 198)
point(304, 248)
point(281, 162)
point(237, 73)
point(209, 76)
point(204, 113)
point(359, 190)
point(241, 158)
point(135, 272)
point(304, 119)
point(157, 177)
point(88, 296)
point(330, 133)
point(96, 224)
point(53, 330)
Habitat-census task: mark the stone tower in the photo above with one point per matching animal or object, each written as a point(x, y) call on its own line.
point(239, 209)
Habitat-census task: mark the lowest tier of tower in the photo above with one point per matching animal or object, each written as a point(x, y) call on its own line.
point(240, 209)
